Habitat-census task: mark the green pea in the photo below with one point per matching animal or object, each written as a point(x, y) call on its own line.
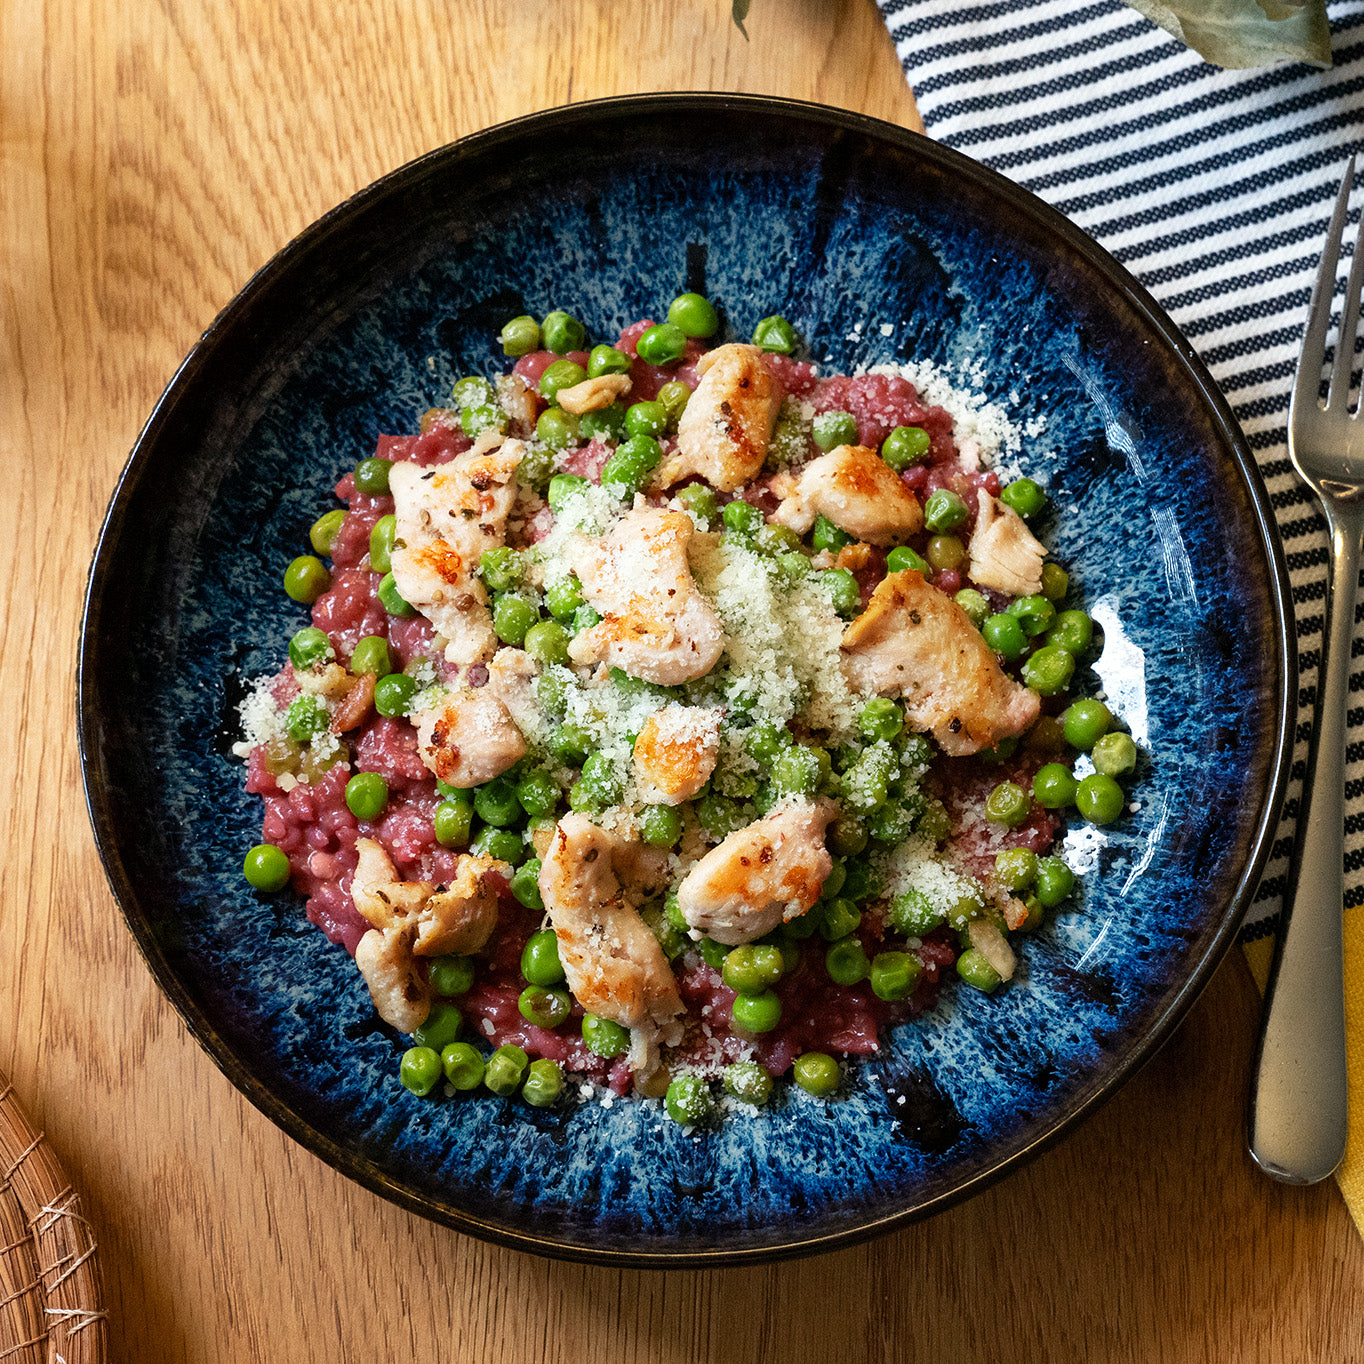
point(719, 815)
point(512, 617)
point(463, 1066)
point(570, 743)
point(1055, 582)
point(841, 588)
point(1049, 670)
point(846, 962)
point(525, 884)
point(537, 792)
point(547, 643)
point(381, 539)
point(914, 915)
point(1055, 881)
point(602, 1037)
point(699, 500)
point(1004, 635)
point(306, 579)
point(564, 486)
point(776, 541)
point(483, 417)
point(894, 975)
point(500, 844)
point(756, 1013)
point(322, 533)
point(1073, 631)
point(776, 335)
point(712, 952)
point(892, 823)
point(881, 719)
point(544, 1083)
point(544, 1008)
point(560, 374)
point(540, 963)
point(1007, 804)
point(393, 694)
point(632, 464)
point(366, 795)
point(646, 419)
point(563, 333)
point(451, 975)
point(1016, 868)
point(495, 802)
point(557, 429)
point(306, 717)
point(752, 968)
point(841, 917)
point(1099, 798)
point(607, 422)
point(472, 391)
point(824, 535)
point(1085, 722)
point(748, 1082)
point(660, 826)
point(310, 646)
point(564, 597)
point(832, 429)
point(504, 1069)
point(977, 972)
point(674, 395)
point(945, 551)
point(1034, 613)
point(520, 336)
point(817, 1073)
point(905, 447)
point(453, 822)
point(1053, 786)
point(902, 559)
point(266, 867)
point(601, 779)
point(765, 740)
point(607, 360)
point(662, 344)
point(944, 510)
point(1024, 496)
point(419, 1070)
point(501, 569)
point(796, 771)
point(442, 1026)
point(371, 476)
point(689, 1100)
point(1115, 754)
point(693, 315)
point(962, 912)
point(975, 605)
point(392, 600)
point(741, 517)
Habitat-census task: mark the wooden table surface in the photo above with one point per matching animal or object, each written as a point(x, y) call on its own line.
point(154, 156)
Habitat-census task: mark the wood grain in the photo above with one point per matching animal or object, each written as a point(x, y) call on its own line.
point(154, 155)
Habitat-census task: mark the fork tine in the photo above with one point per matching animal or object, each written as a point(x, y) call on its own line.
point(1307, 384)
point(1338, 396)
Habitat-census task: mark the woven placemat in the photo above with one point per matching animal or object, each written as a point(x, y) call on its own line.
point(51, 1298)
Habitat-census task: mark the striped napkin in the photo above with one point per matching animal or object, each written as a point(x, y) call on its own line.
point(1215, 189)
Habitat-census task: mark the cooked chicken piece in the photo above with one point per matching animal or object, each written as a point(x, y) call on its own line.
point(915, 642)
point(417, 919)
point(724, 432)
point(761, 875)
point(857, 490)
point(612, 961)
point(401, 995)
point(447, 516)
point(676, 752)
point(655, 622)
point(468, 737)
point(511, 678)
point(520, 402)
point(642, 871)
point(1004, 553)
point(593, 394)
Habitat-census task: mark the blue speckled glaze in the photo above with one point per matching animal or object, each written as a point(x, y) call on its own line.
point(879, 247)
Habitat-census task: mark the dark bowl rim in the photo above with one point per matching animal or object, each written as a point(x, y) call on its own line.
point(563, 119)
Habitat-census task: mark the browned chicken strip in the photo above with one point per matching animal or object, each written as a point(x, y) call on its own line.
point(915, 642)
point(855, 489)
point(1005, 554)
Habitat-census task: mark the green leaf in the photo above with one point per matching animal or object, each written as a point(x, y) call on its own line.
point(739, 9)
point(1246, 33)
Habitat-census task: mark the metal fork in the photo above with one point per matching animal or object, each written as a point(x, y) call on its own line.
point(1297, 1107)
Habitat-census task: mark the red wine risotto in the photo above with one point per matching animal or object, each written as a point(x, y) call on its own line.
point(672, 718)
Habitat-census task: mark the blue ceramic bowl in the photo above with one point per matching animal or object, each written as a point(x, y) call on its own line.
point(878, 245)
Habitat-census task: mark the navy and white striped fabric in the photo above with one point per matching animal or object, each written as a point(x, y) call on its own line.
point(1215, 189)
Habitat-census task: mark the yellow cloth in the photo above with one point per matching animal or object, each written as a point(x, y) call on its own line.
point(1259, 954)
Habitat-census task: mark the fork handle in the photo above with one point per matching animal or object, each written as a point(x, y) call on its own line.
point(1298, 1094)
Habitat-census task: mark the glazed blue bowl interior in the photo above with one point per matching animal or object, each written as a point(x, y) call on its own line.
point(879, 246)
